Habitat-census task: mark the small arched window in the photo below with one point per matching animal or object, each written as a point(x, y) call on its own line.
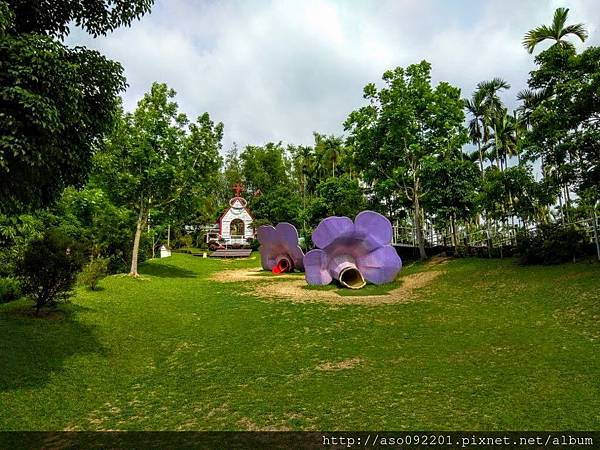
point(237, 228)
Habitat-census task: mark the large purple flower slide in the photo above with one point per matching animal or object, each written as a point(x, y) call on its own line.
point(279, 249)
point(353, 252)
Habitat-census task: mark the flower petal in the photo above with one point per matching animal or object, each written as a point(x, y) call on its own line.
point(278, 241)
point(377, 228)
point(267, 257)
point(330, 229)
point(287, 234)
point(315, 266)
point(297, 256)
point(266, 234)
point(381, 265)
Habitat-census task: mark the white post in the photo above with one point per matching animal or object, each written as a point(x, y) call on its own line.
point(169, 236)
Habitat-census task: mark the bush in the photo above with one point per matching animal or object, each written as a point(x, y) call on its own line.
point(254, 244)
point(9, 290)
point(550, 244)
point(49, 267)
point(184, 241)
point(93, 272)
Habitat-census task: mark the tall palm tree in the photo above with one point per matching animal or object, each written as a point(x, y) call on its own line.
point(531, 99)
point(492, 106)
point(555, 32)
point(328, 151)
point(505, 138)
point(476, 108)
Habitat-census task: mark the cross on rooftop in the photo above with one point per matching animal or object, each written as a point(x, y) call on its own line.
point(237, 189)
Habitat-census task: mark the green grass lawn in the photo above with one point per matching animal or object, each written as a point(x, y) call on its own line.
point(486, 345)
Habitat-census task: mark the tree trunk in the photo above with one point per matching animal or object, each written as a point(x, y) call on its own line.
point(418, 230)
point(560, 203)
point(498, 161)
point(454, 234)
point(480, 159)
point(136, 243)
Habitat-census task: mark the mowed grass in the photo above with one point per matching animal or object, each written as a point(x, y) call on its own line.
point(487, 345)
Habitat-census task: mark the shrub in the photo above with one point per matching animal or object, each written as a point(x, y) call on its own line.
point(93, 272)
point(9, 290)
point(550, 244)
point(254, 244)
point(461, 251)
point(185, 241)
point(49, 267)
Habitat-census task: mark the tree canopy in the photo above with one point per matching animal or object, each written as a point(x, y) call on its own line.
point(156, 159)
point(56, 102)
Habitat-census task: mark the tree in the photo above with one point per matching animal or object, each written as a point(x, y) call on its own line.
point(476, 107)
point(280, 204)
point(88, 216)
point(404, 122)
point(264, 167)
point(504, 138)
point(56, 102)
point(231, 174)
point(451, 189)
point(152, 162)
point(563, 109)
point(337, 196)
point(94, 272)
point(556, 32)
point(329, 150)
point(97, 17)
point(49, 267)
point(492, 109)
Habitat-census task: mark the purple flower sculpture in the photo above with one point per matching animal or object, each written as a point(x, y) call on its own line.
point(279, 250)
point(353, 252)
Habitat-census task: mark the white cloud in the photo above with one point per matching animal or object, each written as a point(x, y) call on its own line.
point(281, 69)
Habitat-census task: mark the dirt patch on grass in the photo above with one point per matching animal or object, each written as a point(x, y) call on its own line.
point(294, 288)
point(249, 425)
point(241, 275)
point(340, 365)
point(437, 260)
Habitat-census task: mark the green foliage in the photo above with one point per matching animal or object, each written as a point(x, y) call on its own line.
point(451, 189)
point(15, 234)
point(264, 168)
point(551, 244)
point(556, 32)
point(337, 196)
point(97, 17)
point(279, 204)
point(230, 176)
point(49, 267)
point(93, 272)
point(89, 216)
point(10, 290)
point(185, 240)
point(156, 160)
point(56, 102)
point(563, 108)
point(514, 191)
point(405, 121)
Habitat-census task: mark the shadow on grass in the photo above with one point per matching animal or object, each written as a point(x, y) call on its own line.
point(166, 271)
point(32, 347)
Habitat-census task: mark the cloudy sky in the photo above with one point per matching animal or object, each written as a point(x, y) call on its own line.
point(277, 70)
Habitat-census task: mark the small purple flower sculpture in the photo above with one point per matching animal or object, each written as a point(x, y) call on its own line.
point(353, 253)
point(279, 250)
